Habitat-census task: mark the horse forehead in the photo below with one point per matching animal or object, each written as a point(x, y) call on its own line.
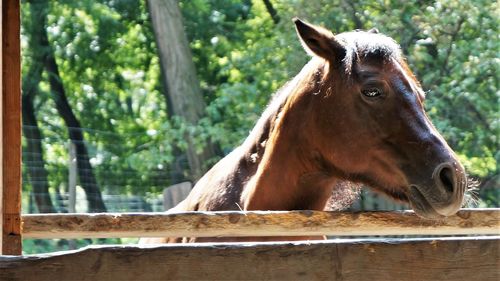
point(404, 75)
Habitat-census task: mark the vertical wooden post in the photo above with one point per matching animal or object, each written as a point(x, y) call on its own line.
point(72, 174)
point(72, 168)
point(10, 130)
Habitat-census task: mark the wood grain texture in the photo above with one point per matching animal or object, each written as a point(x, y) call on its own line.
point(293, 223)
point(10, 182)
point(424, 259)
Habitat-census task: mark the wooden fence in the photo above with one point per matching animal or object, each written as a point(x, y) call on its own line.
point(257, 223)
point(438, 258)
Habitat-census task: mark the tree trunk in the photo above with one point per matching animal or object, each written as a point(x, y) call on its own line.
point(33, 155)
point(33, 152)
point(176, 171)
point(183, 93)
point(85, 171)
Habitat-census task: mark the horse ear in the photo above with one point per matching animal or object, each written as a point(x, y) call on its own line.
point(318, 41)
point(373, 30)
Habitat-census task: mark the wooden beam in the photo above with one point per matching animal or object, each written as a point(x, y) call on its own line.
point(293, 223)
point(10, 148)
point(410, 260)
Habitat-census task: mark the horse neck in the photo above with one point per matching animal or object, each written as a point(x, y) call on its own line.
point(287, 176)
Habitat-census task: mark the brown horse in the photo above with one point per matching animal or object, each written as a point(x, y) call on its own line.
point(354, 113)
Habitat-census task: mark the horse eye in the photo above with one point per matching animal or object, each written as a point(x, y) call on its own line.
point(372, 92)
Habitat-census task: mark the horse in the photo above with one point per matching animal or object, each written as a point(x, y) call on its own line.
point(354, 113)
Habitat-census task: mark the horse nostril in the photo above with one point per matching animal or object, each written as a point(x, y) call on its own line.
point(446, 179)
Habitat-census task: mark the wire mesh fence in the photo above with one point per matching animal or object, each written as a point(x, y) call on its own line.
point(127, 172)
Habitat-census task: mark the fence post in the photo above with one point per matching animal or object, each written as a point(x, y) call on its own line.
point(72, 169)
point(10, 129)
point(174, 194)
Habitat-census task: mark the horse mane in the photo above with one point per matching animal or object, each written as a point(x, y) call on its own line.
point(255, 143)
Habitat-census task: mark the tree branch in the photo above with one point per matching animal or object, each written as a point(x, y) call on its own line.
point(358, 24)
point(444, 68)
point(272, 12)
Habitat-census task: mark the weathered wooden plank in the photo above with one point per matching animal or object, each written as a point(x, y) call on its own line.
point(423, 259)
point(10, 127)
point(293, 223)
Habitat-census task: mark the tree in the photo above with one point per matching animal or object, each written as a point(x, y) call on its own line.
point(182, 88)
point(33, 153)
point(85, 171)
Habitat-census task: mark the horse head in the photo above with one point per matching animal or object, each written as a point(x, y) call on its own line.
point(370, 125)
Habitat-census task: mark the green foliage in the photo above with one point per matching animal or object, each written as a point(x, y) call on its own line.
point(36, 246)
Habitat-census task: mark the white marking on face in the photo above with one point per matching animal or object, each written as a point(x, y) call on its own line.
point(420, 95)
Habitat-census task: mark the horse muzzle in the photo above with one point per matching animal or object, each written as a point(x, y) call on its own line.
point(443, 195)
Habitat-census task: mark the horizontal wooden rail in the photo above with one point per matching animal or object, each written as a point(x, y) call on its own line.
point(258, 223)
point(444, 259)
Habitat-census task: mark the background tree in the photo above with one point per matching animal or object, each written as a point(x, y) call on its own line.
point(33, 151)
point(42, 45)
point(181, 86)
